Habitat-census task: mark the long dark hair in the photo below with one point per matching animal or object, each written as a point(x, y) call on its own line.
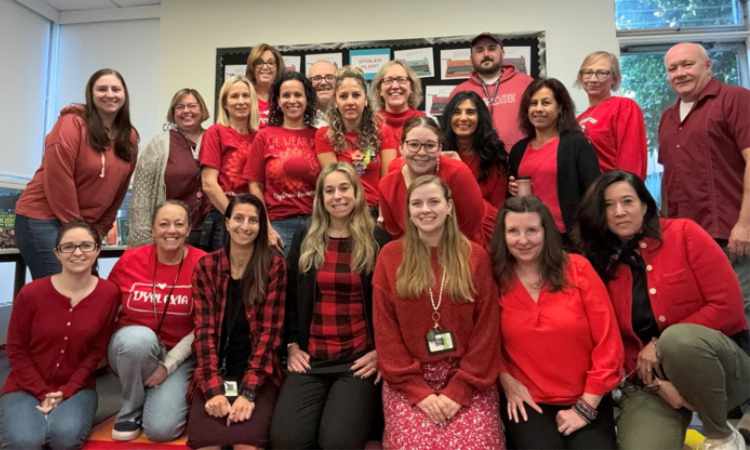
point(77, 223)
point(566, 121)
point(485, 142)
point(592, 235)
point(255, 277)
point(276, 116)
point(553, 258)
point(121, 126)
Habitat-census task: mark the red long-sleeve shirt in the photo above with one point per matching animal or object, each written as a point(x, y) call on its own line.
point(567, 342)
point(689, 280)
point(53, 346)
point(467, 198)
point(401, 326)
point(616, 129)
point(266, 319)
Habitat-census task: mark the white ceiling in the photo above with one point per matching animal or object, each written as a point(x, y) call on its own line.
point(77, 5)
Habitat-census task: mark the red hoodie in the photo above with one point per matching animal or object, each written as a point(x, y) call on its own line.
point(503, 101)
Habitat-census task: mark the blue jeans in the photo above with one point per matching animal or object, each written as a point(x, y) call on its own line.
point(286, 229)
point(35, 239)
point(23, 427)
point(134, 354)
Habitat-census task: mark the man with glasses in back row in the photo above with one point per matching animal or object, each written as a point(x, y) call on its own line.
point(322, 76)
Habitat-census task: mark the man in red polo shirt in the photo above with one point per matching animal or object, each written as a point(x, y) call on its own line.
point(501, 86)
point(704, 145)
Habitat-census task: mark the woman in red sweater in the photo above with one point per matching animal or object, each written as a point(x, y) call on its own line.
point(396, 94)
point(223, 152)
point(420, 149)
point(88, 158)
point(57, 336)
point(435, 306)
point(681, 317)
point(353, 134)
point(561, 349)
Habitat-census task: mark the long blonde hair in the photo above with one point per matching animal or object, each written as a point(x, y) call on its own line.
point(414, 275)
point(361, 226)
point(223, 117)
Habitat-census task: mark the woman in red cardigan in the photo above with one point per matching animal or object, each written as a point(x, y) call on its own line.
point(438, 348)
point(238, 292)
point(57, 337)
point(681, 316)
point(561, 348)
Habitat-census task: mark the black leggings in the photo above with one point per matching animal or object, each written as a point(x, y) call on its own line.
point(540, 431)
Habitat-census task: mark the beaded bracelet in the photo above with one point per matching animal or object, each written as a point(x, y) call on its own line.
point(586, 411)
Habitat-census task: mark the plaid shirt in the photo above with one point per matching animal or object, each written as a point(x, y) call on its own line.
point(265, 318)
point(338, 328)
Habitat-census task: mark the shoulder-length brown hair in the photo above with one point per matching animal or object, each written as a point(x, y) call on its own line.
point(122, 128)
point(566, 121)
point(255, 57)
point(177, 98)
point(553, 258)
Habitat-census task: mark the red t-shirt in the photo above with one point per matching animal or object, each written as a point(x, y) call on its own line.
point(264, 109)
point(396, 121)
point(140, 282)
point(285, 163)
point(494, 186)
point(369, 167)
point(541, 165)
point(226, 150)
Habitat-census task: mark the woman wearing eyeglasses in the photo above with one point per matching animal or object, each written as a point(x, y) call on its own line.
point(353, 135)
point(396, 94)
point(168, 168)
point(57, 336)
point(264, 67)
point(420, 149)
point(613, 124)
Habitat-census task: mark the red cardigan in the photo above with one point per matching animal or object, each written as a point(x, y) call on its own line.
point(402, 324)
point(690, 280)
point(53, 347)
point(567, 342)
point(467, 197)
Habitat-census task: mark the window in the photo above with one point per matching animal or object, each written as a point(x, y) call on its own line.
point(671, 14)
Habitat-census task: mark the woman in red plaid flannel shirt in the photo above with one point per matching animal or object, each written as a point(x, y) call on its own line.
point(237, 371)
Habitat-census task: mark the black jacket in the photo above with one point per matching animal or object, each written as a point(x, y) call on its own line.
point(302, 293)
point(577, 168)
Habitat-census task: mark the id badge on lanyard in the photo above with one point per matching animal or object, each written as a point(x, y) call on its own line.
point(438, 340)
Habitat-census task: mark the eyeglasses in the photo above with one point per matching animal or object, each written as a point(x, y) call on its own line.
point(70, 247)
point(182, 106)
point(415, 146)
point(598, 74)
point(395, 80)
point(319, 78)
point(270, 63)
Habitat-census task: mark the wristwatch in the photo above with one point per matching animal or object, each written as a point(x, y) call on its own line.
point(250, 395)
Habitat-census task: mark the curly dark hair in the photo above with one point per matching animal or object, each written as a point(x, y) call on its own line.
point(485, 142)
point(276, 116)
point(566, 121)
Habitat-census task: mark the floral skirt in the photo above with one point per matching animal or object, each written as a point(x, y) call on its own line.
point(477, 426)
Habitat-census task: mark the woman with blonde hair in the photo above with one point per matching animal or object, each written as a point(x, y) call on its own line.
point(396, 94)
point(330, 397)
point(168, 169)
point(264, 67)
point(435, 303)
point(224, 150)
point(353, 135)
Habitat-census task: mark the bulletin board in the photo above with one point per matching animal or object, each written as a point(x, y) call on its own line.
point(440, 62)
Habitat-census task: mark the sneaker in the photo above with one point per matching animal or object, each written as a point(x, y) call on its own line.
point(732, 442)
point(126, 431)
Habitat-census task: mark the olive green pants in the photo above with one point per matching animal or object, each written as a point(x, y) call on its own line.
point(711, 373)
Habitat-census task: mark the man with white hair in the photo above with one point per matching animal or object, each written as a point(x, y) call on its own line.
point(322, 75)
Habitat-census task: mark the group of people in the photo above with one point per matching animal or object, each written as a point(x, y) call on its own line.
point(504, 272)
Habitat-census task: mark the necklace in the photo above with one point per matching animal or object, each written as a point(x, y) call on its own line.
point(436, 305)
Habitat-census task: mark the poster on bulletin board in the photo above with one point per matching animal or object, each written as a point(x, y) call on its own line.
point(440, 62)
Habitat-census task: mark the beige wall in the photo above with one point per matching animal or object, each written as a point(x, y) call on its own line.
point(192, 30)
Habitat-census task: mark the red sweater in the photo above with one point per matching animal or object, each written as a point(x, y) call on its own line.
point(616, 129)
point(134, 274)
point(73, 182)
point(567, 342)
point(689, 279)
point(53, 347)
point(467, 197)
point(402, 324)
point(396, 121)
point(494, 187)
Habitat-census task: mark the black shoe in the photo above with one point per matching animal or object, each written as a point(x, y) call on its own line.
point(126, 430)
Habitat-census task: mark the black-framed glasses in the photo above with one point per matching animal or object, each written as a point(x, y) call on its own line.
point(70, 247)
point(396, 80)
point(598, 74)
point(414, 146)
point(319, 78)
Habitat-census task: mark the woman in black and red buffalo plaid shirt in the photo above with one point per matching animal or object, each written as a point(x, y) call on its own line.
point(239, 314)
point(330, 398)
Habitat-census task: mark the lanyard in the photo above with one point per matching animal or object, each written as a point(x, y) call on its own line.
point(491, 98)
point(169, 295)
point(436, 305)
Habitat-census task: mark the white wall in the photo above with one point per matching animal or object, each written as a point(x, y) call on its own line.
point(132, 48)
point(191, 30)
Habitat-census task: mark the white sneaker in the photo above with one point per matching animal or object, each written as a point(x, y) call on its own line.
point(127, 430)
point(732, 442)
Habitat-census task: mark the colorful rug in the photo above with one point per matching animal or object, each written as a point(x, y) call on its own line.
point(101, 439)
